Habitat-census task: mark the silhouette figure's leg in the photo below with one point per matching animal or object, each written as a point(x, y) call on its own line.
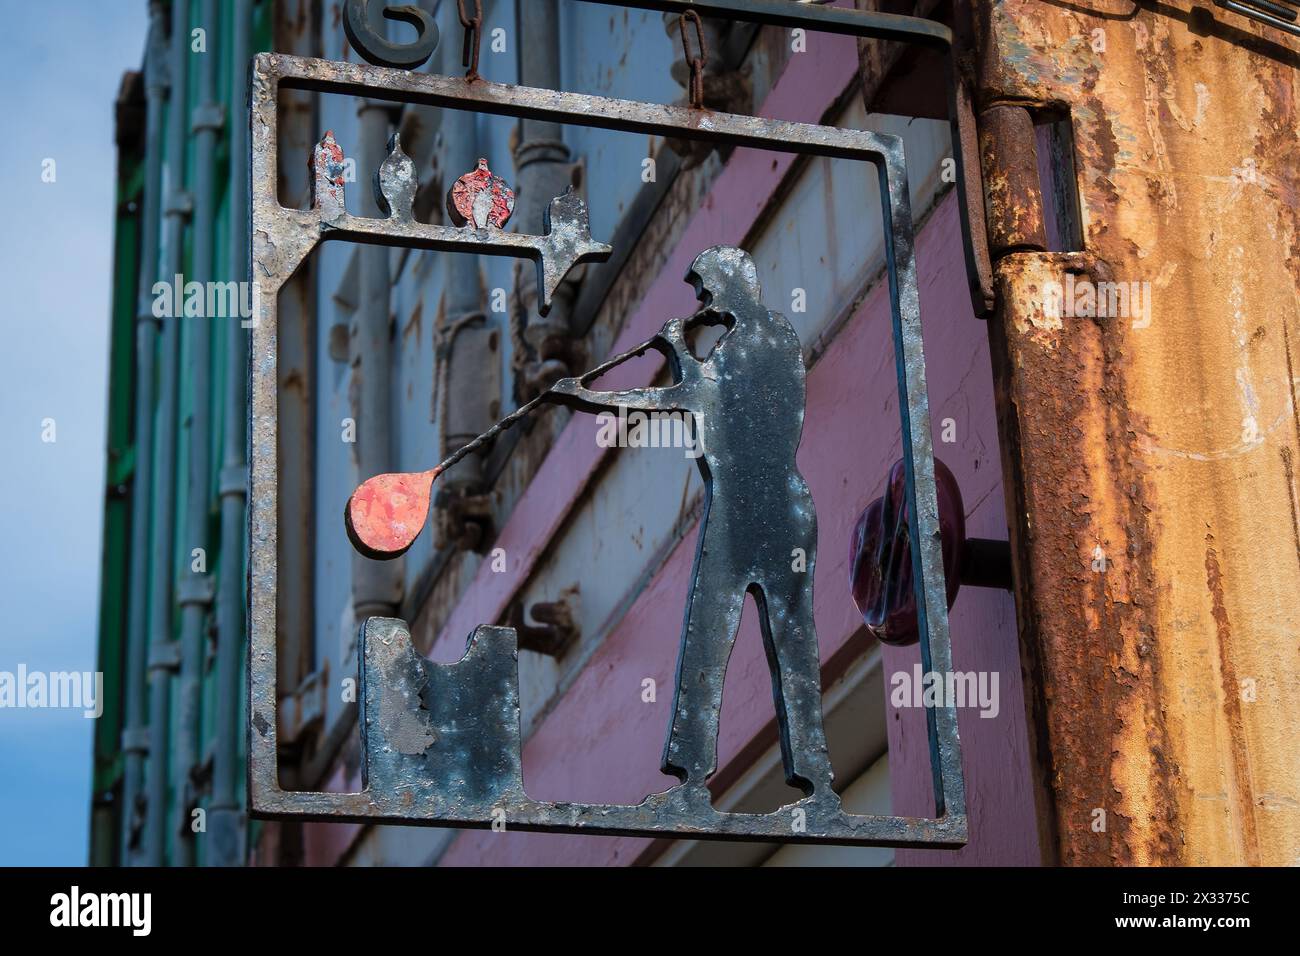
point(790, 639)
point(712, 617)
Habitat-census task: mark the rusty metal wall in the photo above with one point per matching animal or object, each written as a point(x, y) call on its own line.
point(1151, 452)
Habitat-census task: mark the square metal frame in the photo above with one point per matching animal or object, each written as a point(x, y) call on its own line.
point(282, 238)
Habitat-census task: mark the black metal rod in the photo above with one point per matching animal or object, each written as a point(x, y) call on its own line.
point(1276, 9)
point(1260, 15)
point(782, 13)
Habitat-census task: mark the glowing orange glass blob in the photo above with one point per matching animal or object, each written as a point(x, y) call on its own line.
point(386, 513)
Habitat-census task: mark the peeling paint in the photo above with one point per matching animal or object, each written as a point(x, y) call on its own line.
point(1169, 446)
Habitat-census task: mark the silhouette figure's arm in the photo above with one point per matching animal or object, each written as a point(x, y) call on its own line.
point(669, 398)
point(671, 343)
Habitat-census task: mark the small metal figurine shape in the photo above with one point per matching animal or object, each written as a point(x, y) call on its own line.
point(480, 204)
point(747, 399)
point(481, 199)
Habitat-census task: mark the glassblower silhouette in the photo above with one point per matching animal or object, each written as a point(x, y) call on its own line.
point(758, 534)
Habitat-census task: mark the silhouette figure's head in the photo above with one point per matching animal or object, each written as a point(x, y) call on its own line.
point(724, 276)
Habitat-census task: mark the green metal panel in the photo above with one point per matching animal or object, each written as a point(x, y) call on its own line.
point(105, 813)
point(114, 560)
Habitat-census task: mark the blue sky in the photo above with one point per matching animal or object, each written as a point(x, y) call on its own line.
point(60, 72)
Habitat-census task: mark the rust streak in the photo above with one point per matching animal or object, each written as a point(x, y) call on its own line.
point(1288, 470)
point(1290, 381)
point(1243, 802)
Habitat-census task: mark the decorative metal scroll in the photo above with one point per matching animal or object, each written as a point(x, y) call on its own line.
point(422, 762)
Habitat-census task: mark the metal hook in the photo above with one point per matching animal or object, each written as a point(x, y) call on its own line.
point(696, 63)
point(365, 32)
point(473, 39)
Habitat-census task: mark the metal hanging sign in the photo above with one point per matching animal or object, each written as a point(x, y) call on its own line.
point(423, 763)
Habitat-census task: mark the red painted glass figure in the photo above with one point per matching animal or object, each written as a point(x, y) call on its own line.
point(880, 555)
point(481, 198)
